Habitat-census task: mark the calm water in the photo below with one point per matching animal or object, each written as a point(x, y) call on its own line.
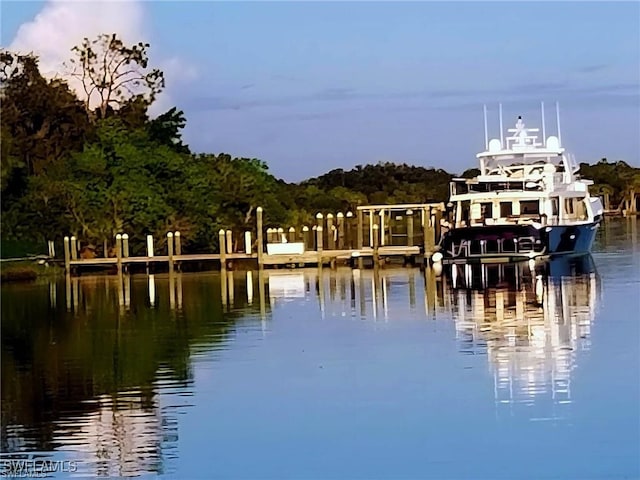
point(296, 374)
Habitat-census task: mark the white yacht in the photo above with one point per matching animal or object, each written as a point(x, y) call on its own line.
point(528, 201)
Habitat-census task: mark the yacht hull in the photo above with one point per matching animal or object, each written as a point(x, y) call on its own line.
point(516, 242)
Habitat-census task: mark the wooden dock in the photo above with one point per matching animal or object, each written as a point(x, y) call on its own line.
point(377, 234)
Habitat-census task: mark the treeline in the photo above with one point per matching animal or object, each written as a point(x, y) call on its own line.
point(97, 166)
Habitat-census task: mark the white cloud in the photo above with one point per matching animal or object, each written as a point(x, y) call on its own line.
point(61, 25)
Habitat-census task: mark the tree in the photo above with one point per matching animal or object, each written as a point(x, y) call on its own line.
point(42, 121)
point(113, 74)
point(166, 129)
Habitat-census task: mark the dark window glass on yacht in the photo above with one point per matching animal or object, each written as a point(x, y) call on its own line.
point(506, 209)
point(529, 207)
point(554, 206)
point(568, 206)
point(487, 210)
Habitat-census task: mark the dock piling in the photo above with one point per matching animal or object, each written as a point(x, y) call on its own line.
point(119, 256)
point(229, 241)
point(170, 250)
point(409, 228)
point(341, 232)
point(150, 246)
point(177, 241)
point(247, 242)
point(223, 250)
point(125, 245)
point(330, 232)
point(360, 236)
point(260, 246)
point(74, 248)
point(67, 254)
point(305, 238)
point(376, 257)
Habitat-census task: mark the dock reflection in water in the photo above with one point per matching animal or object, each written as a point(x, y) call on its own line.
point(106, 374)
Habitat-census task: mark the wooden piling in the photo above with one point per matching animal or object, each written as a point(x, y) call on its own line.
point(150, 246)
point(437, 232)
point(425, 230)
point(223, 250)
point(330, 230)
point(105, 248)
point(177, 241)
point(305, 238)
point(247, 242)
point(319, 223)
point(52, 249)
point(409, 228)
point(67, 254)
point(340, 217)
point(74, 248)
point(170, 250)
point(348, 234)
point(429, 235)
point(319, 238)
point(281, 237)
point(125, 245)
point(260, 246)
point(376, 257)
point(292, 234)
point(360, 236)
point(119, 257)
point(229, 242)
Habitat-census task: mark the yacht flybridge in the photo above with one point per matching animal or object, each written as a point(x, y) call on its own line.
point(528, 201)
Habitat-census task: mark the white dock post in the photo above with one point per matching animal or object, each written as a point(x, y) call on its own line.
point(150, 246)
point(125, 245)
point(176, 237)
point(67, 254)
point(74, 248)
point(119, 257)
point(170, 250)
point(229, 242)
point(247, 242)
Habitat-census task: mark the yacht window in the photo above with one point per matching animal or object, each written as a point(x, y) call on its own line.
point(464, 207)
point(487, 210)
point(554, 206)
point(581, 209)
point(529, 207)
point(506, 209)
point(568, 206)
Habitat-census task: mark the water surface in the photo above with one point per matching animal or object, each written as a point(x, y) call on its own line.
point(498, 372)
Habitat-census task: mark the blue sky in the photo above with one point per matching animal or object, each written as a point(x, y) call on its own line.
point(311, 86)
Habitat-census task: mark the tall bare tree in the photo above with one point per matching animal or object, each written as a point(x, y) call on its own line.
point(113, 74)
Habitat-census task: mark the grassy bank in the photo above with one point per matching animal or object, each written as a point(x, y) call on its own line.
point(27, 271)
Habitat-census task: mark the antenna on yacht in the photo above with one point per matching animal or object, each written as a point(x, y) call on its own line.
point(501, 134)
point(544, 136)
point(486, 133)
point(558, 120)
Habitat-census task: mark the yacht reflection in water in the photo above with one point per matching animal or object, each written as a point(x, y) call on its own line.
point(530, 320)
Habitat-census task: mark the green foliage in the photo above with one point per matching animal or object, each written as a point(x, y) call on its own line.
point(67, 169)
point(614, 181)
